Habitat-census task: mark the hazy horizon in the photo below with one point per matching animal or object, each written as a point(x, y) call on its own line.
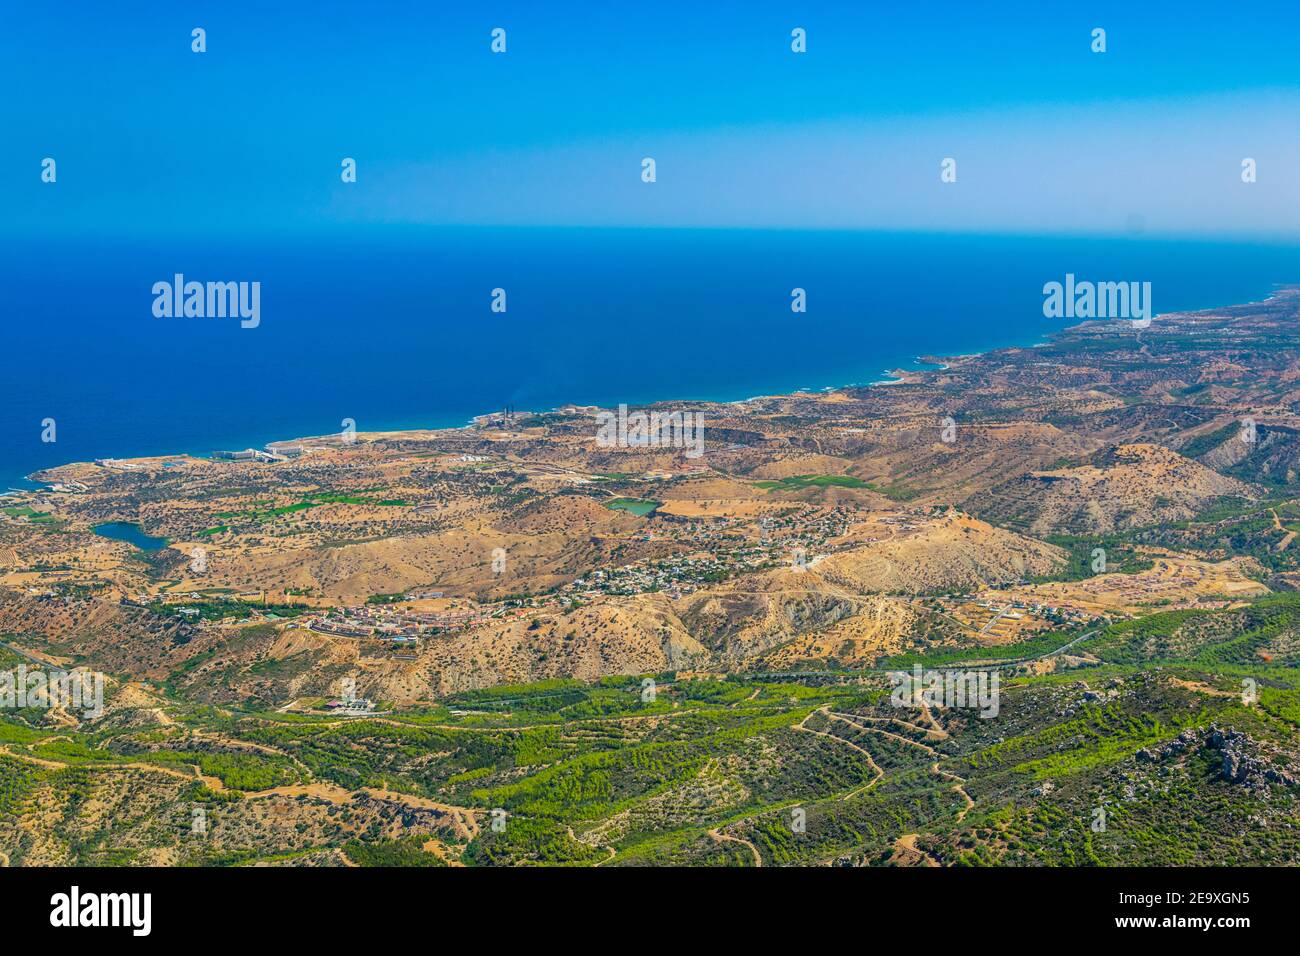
point(1049, 137)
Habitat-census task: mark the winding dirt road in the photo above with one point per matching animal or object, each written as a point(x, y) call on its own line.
point(826, 712)
point(719, 837)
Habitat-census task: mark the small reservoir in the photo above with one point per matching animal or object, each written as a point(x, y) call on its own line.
point(131, 534)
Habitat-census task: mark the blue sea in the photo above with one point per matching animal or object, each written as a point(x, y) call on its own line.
point(393, 327)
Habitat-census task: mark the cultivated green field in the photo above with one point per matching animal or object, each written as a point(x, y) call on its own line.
point(1083, 766)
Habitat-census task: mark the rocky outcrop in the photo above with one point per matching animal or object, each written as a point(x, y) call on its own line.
point(1238, 754)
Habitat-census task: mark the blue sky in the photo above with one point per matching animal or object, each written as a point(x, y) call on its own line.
point(1049, 137)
